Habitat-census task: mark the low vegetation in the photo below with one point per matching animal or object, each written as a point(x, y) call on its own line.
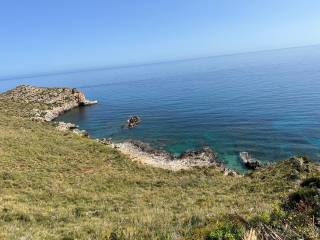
point(58, 185)
point(297, 217)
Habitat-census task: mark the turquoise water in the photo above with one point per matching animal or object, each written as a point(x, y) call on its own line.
point(266, 103)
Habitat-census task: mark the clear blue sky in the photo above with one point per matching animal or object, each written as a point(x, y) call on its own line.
point(43, 35)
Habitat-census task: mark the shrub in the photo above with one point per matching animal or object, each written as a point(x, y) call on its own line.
point(227, 231)
point(305, 197)
point(311, 182)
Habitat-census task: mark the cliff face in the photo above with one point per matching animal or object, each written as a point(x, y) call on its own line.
point(45, 104)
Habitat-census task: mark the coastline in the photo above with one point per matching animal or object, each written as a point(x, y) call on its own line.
point(53, 102)
point(79, 181)
point(143, 153)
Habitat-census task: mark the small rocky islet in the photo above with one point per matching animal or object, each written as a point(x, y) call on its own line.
point(133, 121)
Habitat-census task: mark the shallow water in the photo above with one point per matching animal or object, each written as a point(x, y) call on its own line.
point(266, 103)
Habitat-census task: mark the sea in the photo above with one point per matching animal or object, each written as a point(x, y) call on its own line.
point(265, 103)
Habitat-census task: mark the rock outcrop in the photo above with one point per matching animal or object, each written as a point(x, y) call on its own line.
point(133, 121)
point(230, 172)
point(105, 141)
point(62, 126)
point(48, 103)
point(205, 154)
point(249, 162)
point(145, 153)
point(82, 133)
point(147, 148)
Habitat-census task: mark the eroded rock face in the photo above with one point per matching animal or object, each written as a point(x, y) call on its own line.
point(53, 101)
point(205, 154)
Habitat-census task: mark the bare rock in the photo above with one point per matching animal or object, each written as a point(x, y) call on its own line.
point(205, 154)
point(229, 172)
point(106, 141)
point(147, 148)
point(249, 162)
point(300, 164)
point(81, 99)
point(146, 154)
point(133, 121)
point(53, 101)
point(62, 126)
point(82, 133)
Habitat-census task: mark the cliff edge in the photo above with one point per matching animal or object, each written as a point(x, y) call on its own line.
point(45, 104)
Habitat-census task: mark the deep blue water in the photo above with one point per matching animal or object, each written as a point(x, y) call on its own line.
point(266, 103)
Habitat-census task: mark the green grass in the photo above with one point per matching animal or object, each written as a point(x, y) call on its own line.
point(56, 185)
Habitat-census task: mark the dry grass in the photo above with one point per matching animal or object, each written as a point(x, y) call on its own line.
point(250, 235)
point(56, 185)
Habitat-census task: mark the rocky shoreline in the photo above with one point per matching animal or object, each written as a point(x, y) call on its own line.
point(144, 153)
point(92, 182)
point(49, 103)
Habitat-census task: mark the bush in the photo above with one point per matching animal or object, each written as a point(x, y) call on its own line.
point(227, 231)
point(304, 196)
point(311, 182)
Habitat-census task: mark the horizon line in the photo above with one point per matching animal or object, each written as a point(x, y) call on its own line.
point(109, 67)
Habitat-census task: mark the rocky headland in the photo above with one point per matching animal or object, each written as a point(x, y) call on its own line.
point(46, 103)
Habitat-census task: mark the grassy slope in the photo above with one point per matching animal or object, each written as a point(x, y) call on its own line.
point(56, 185)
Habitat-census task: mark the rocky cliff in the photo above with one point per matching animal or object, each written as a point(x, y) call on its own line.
point(45, 104)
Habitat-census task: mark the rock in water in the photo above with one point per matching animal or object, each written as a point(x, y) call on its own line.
point(133, 121)
point(249, 162)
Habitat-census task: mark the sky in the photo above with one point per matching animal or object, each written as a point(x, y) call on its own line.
point(39, 36)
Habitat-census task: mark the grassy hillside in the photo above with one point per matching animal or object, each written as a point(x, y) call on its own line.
point(56, 185)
